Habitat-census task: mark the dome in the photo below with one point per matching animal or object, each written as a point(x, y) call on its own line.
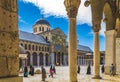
point(42, 21)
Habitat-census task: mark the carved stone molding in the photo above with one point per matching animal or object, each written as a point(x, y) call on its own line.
point(72, 7)
point(72, 12)
point(96, 25)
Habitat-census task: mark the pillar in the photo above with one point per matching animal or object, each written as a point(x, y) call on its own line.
point(9, 49)
point(118, 55)
point(52, 58)
point(38, 60)
point(96, 53)
point(44, 60)
point(72, 9)
point(110, 50)
point(31, 59)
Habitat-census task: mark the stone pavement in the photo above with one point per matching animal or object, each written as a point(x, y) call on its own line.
point(63, 76)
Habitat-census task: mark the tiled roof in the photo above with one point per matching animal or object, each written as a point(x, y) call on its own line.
point(31, 37)
point(84, 48)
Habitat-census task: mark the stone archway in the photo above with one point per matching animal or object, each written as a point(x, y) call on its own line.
point(110, 37)
point(34, 59)
point(58, 58)
point(28, 58)
point(41, 58)
point(47, 59)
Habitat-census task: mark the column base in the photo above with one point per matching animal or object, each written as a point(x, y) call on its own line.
point(11, 79)
point(96, 77)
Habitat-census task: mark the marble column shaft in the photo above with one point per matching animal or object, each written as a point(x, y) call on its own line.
point(96, 55)
point(72, 50)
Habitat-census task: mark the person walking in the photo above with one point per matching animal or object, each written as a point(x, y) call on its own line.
point(88, 70)
point(25, 71)
point(78, 71)
point(112, 68)
point(43, 74)
point(102, 69)
point(51, 72)
point(54, 70)
point(31, 72)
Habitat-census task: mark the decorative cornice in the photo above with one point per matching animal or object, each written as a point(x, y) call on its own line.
point(72, 7)
point(96, 25)
point(72, 12)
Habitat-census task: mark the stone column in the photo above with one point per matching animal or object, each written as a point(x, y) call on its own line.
point(110, 50)
point(38, 60)
point(52, 58)
point(96, 29)
point(31, 59)
point(44, 60)
point(72, 9)
point(118, 55)
point(9, 49)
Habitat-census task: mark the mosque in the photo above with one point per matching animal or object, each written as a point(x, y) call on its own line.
point(46, 46)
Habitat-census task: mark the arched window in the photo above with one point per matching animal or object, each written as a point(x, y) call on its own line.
point(42, 48)
point(32, 47)
point(39, 48)
point(36, 48)
point(39, 28)
point(21, 44)
point(42, 28)
point(29, 47)
point(25, 46)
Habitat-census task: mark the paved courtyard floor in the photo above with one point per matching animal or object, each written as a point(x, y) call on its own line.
point(63, 76)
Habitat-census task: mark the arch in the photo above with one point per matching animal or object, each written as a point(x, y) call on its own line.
point(43, 48)
point(46, 59)
point(36, 47)
point(62, 58)
point(41, 58)
point(108, 17)
point(25, 46)
point(39, 48)
point(28, 58)
point(42, 28)
point(39, 28)
point(34, 59)
point(21, 44)
point(29, 47)
point(58, 58)
point(32, 47)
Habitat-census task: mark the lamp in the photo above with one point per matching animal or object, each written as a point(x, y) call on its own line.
point(87, 3)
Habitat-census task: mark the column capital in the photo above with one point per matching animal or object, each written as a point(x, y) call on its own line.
point(96, 25)
point(72, 7)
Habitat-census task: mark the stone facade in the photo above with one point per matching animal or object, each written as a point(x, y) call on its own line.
point(54, 50)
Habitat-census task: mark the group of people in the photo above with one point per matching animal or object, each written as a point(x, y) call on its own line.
point(52, 71)
point(88, 70)
point(112, 69)
point(31, 71)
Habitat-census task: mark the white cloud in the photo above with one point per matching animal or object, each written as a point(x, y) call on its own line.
point(57, 8)
point(21, 20)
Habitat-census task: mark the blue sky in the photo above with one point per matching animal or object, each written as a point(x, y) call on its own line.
point(30, 11)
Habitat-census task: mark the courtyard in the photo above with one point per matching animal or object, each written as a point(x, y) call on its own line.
point(62, 75)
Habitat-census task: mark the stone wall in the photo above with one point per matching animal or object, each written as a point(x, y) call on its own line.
point(9, 61)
